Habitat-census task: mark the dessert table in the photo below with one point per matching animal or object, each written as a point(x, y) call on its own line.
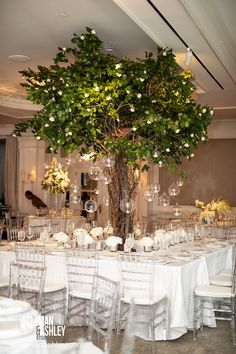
point(178, 270)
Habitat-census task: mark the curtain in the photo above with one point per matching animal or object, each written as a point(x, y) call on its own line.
point(11, 169)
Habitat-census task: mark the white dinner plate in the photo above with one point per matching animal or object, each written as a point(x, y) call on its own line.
point(10, 307)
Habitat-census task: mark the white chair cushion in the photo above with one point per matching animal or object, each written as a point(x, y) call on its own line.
point(81, 348)
point(142, 301)
point(226, 272)
point(83, 294)
point(221, 280)
point(213, 291)
point(50, 287)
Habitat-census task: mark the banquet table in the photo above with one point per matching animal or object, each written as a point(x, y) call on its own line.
point(62, 221)
point(178, 270)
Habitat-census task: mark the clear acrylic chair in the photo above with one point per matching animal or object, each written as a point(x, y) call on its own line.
point(36, 230)
point(215, 302)
point(12, 232)
point(225, 277)
point(103, 310)
point(30, 254)
point(101, 321)
point(137, 279)
point(27, 282)
point(81, 268)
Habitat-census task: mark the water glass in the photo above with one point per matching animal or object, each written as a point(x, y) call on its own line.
point(21, 235)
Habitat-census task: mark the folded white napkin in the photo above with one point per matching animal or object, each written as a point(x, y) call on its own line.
point(113, 241)
point(61, 237)
point(83, 237)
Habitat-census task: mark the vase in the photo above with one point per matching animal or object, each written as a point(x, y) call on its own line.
point(58, 202)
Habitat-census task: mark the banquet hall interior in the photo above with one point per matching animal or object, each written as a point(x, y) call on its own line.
point(85, 266)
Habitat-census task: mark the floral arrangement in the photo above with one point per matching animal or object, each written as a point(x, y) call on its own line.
point(112, 241)
point(146, 241)
point(108, 229)
point(96, 232)
point(56, 179)
point(61, 237)
point(82, 237)
point(214, 209)
point(137, 231)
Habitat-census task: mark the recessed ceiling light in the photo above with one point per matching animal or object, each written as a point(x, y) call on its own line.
point(19, 57)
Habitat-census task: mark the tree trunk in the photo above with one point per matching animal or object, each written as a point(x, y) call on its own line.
point(124, 183)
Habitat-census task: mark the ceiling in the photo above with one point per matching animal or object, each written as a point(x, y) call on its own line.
point(129, 27)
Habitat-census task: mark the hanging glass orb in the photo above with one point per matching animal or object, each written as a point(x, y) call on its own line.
point(149, 195)
point(180, 182)
point(90, 206)
point(105, 201)
point(59, 164)
point(46, 165)
point(94, 172)
point(109, 161)
point(127, 205)
point(69, 161)
point(173, 190)
point(75, 187)
point(164, 199)
point(176, 210)
point(96, 191)
point(156, 187)
point(106, 178)
point(75, 198)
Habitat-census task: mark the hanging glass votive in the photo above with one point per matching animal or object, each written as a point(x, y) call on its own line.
point(149, 195)
point(105, 201)
point(180, 182)
point(96, 191)
point(75, 187)
point(75, 198)
point(127, 205)
point(155, 187)
point(46, 165)
point(173, 190)
point(164, 199)
point(69, 160)
point(106, 177)
point(109, 161)
point(90, 206)
point(176, 210)
point(94, 172)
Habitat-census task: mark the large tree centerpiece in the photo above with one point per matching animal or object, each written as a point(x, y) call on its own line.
point(142, 112)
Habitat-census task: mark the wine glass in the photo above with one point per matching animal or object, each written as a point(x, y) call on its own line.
point(21, 235)
point(29, 234)
point(129, 242)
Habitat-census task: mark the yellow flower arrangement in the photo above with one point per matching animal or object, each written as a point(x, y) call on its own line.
point(215, 209)
point(56, 179)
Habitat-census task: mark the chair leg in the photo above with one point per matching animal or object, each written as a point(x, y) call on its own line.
point(152, 318)
point(232, 323)
point(195, 311)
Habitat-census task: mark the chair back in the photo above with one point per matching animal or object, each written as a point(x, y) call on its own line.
point(1, 231)
point(36, 230)
point(81, 268)
point(28, 281)
point(12, 233)
point(103, 309)
point(30, 254)
point(137, 273)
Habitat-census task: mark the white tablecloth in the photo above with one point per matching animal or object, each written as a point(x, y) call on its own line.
point(176, 279)
point(63, 222)
point(18, 329)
